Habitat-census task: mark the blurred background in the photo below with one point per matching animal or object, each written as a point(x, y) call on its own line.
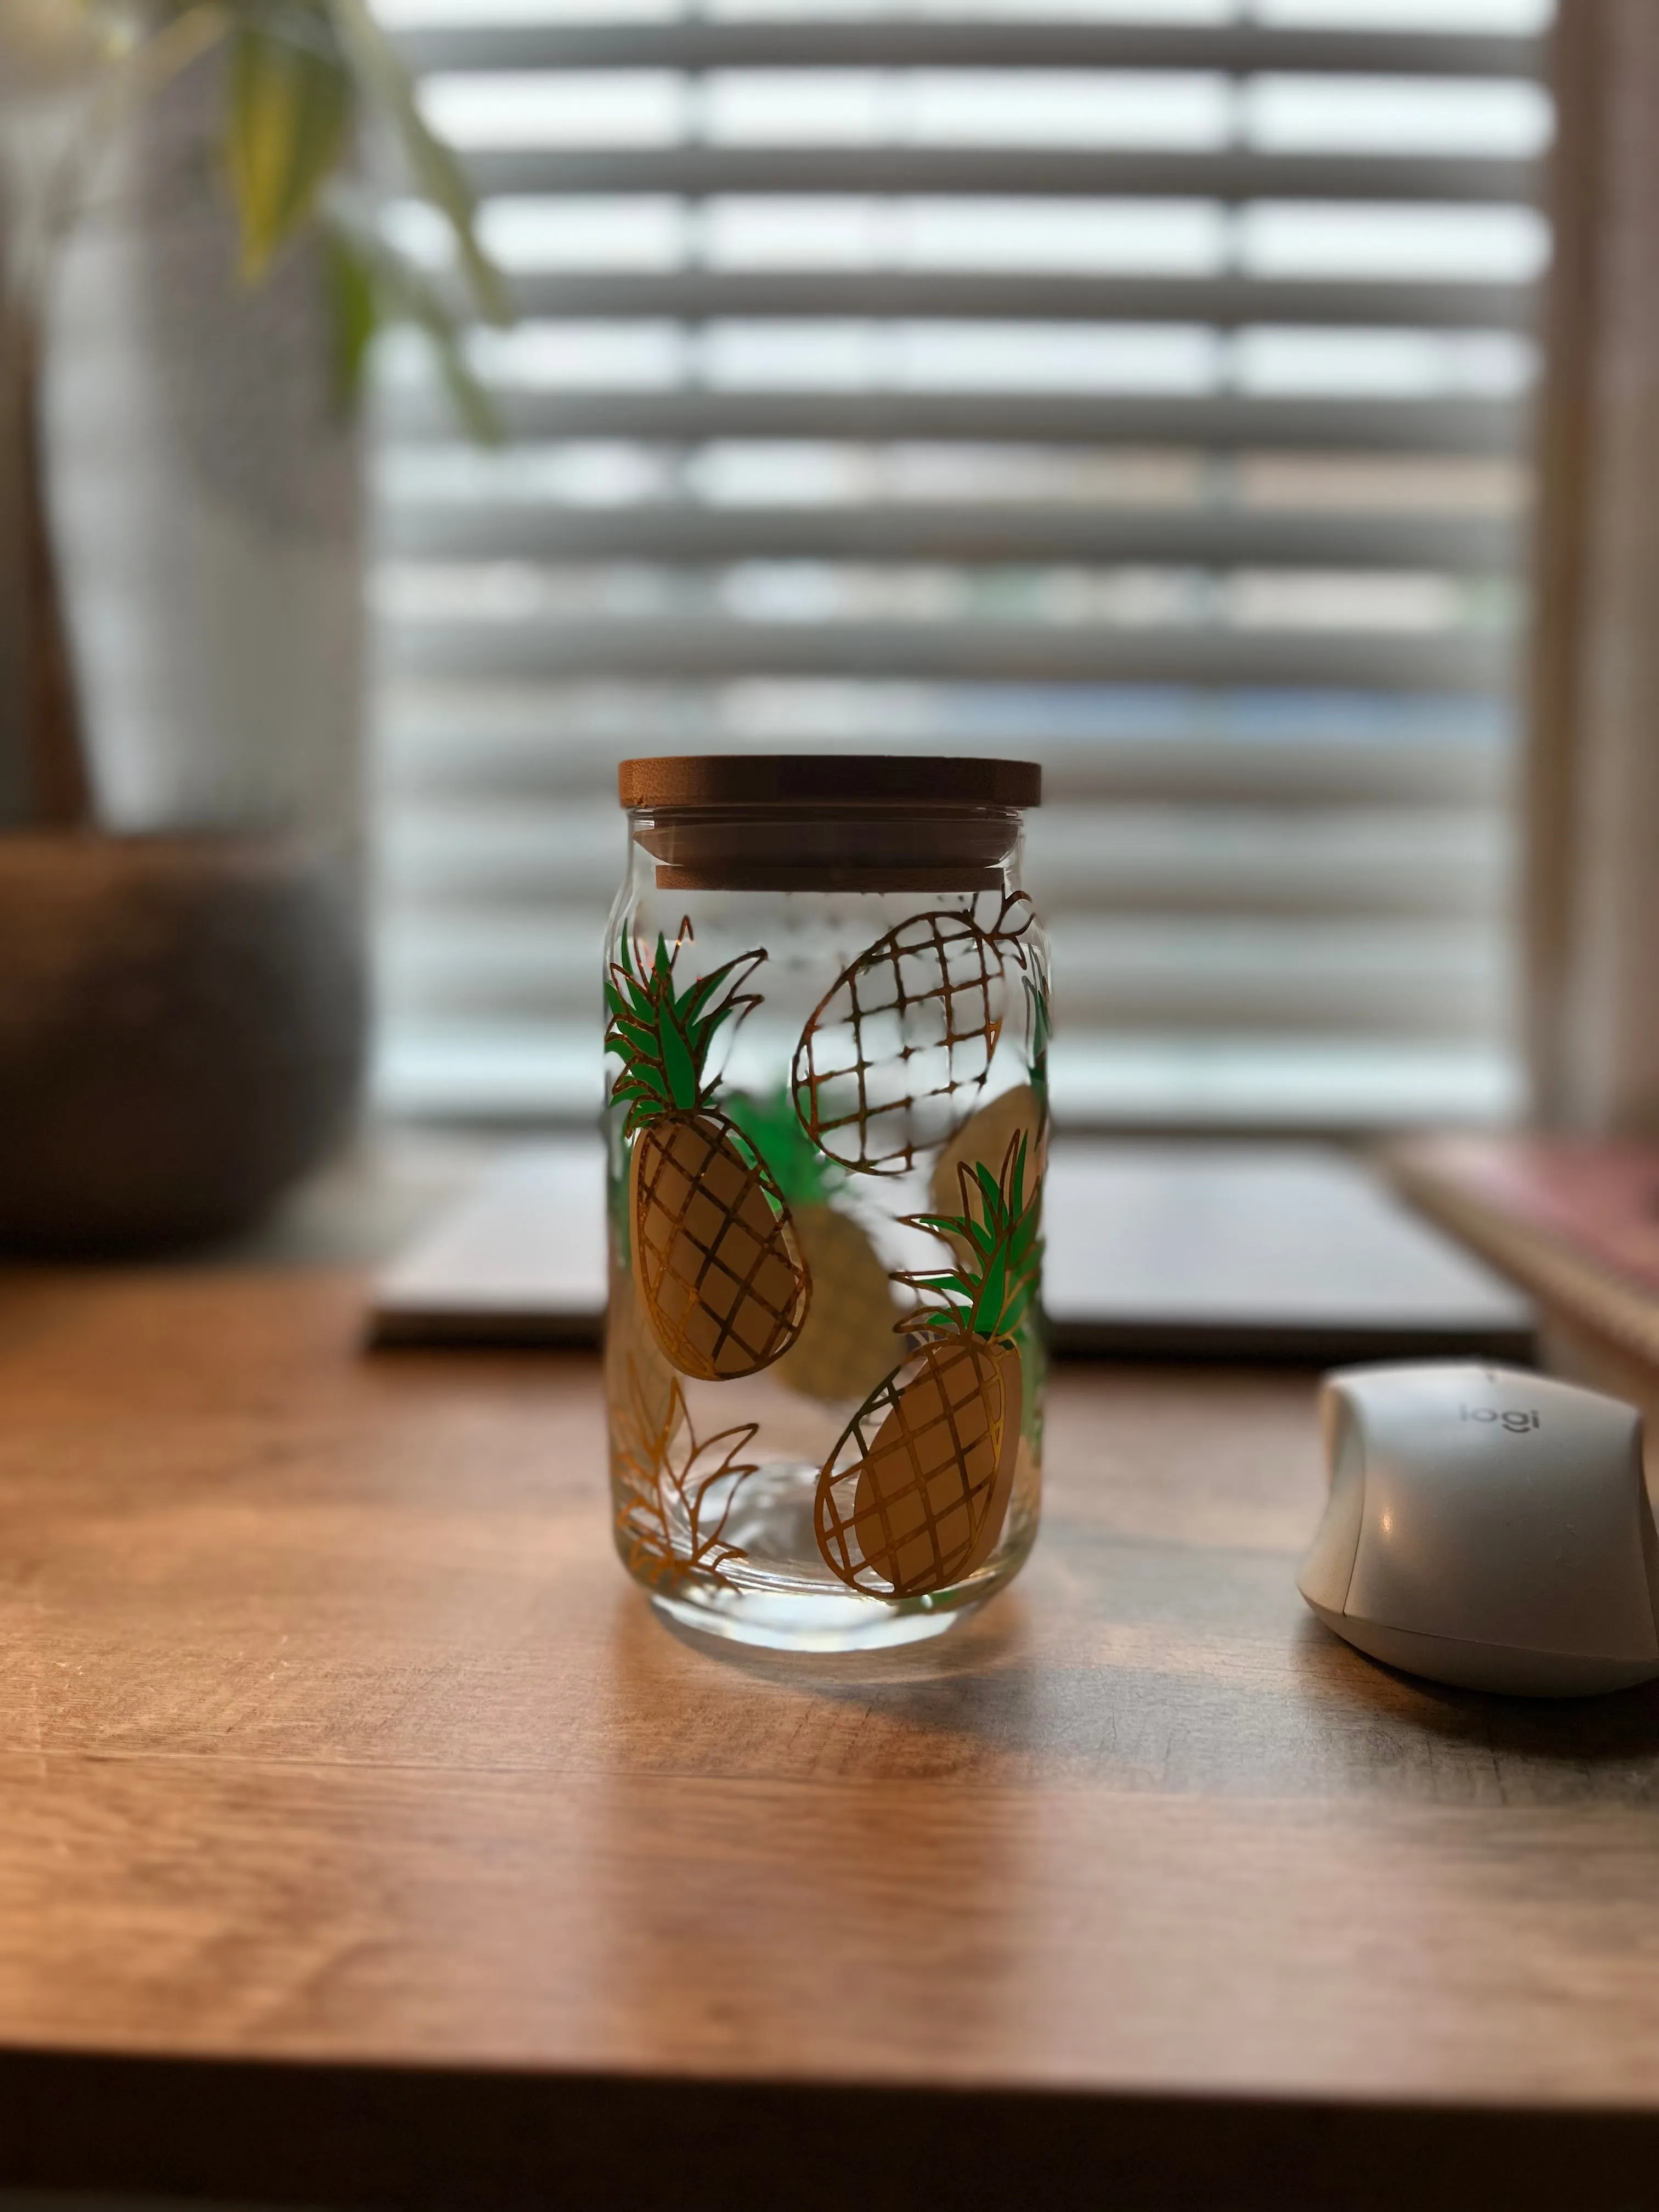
point(1144, 386)
point(1248, 409)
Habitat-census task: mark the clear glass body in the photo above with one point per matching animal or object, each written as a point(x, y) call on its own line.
point(827, 1130)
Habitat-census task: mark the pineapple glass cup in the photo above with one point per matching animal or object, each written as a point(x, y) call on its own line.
point(827, 997)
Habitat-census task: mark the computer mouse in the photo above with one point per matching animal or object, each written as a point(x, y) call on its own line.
point(1487, 1528)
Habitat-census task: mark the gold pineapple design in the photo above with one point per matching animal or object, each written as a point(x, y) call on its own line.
point(847, 1343)
point(847, 1346)
point(634, 1365)
point(719, 1269)
point(900, 1045)
point(983, 1141)
point(914, 1495)
point(673, 1495)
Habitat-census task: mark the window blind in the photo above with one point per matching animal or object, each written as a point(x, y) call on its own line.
point(1143, 391)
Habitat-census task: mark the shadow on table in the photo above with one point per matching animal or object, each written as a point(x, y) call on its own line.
point(1262, 1703)
point(1619, 1729)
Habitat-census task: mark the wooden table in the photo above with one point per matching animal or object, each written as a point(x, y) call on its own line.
point(365, 1839)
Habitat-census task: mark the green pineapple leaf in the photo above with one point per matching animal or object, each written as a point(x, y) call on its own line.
point(990, 1294)
point(944, 1284)
point(679, 1065)
point(634, 1034)
point(804, 1175)
point(942, 1224)
point(662, 1036)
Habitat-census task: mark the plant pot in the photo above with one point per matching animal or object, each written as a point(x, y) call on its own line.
point(181, 1033)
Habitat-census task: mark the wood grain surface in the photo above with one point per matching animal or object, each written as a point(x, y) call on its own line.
point(335, 1744)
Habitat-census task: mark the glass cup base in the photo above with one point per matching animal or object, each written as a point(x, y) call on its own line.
point(791, 1622)
point(775, 1593)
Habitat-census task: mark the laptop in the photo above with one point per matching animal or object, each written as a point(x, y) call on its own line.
point(1156, 1249)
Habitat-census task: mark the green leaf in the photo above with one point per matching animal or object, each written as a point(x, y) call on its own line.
point(642, 998)
point(354, 302)
point(948, 1320)
point(696, 995)
point(987, 1304)
point(943, 1225)
point(1017, 1203)
point(680, 1068)
point(1040, 1025)
point(941, 1285)
point(436, 173)
point(804, 1176)
point(637, 1040)
point(404, 294)
point(291, 104)
point(633, 1083)
point(639, 1086)
point(712, 1024)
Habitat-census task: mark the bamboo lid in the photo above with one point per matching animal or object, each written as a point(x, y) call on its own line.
point(830, 779)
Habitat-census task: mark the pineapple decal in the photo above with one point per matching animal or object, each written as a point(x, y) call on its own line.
point(634, 1369)
point(847, 1345)
point(915, 1494)
point(900, 1045)
point(983, 1141)
point(714, 1254)
point(1040, 1030)
point(673, 1495)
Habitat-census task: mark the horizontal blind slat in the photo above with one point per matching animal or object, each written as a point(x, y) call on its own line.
point(921, 42)
point(457, 741)
point(998, 173)
point(1221, 302)
point(956, 531)
point(1254, 883)
point(1380, 424)
point(1332, 976)
point(949, 649)
point(515, 1073)
point(494, 857)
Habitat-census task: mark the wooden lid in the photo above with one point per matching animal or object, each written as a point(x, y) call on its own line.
point(920, 780)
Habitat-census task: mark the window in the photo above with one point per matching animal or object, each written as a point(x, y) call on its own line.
point(1141, 386)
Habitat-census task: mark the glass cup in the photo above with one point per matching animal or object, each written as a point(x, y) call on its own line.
point(827, 1129)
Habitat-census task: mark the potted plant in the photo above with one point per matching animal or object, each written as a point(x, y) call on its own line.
point(193, 272)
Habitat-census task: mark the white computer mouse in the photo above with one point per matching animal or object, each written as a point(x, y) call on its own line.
point(1488, 1527)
